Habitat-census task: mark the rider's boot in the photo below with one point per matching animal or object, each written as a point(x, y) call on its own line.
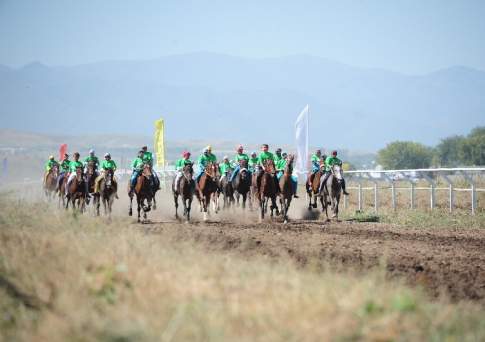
point(343, 188)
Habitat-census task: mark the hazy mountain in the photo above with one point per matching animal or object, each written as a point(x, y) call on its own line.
point(213, 97)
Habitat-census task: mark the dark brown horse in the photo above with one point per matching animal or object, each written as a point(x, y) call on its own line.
point(62, 190)
point(185, 189)
point(144, 193)
point(207, 188)
point(107, 193)
point(227, 190)
point(331, 191)
point(51, 182)
point(90, 176)
point(76, 192)
point(286, 188)
point(242, 183)
point(267, 189)
point(313, 186)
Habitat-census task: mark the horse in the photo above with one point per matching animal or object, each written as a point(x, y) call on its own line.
point(286, 188)
point(267, 189)
point(76, 191)
point(227, 190)
point(242, 183)
point(312, 186)
point(332, 190)
point(107, 193)
point(143, 192)
point(185, 188)
point(62, 190)
point(50, 184)
point(208, 187)
point(91, 175)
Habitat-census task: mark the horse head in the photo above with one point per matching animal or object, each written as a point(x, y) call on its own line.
point(289, 164)
point(108, 178)
point(90, 168)
point(188, 171)
point(147, 171)
point(269, 166)
point(337, 172)
point(55, 171)
point(79, 173)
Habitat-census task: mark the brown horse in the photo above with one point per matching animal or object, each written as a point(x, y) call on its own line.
point(331, 191)
point(107, 193)
point(76, 192)
point(51, 182)
point(242, 183)
point(208, 187)
point(91, 175)
point(62, 190)
point(286, 188)
point(267, 189)
point(227, 190)
point(313, 186)
point(144, 193)
point(185, 189)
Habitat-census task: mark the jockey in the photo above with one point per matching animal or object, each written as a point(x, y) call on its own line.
point(49, 165)
point(277, 156)
point(263, 157)
point(73, 166)
point(64, 169)
point(91, 159)
point(280, 169)
point(237, 161)
point(316, 160)
point(107, 164)
point(253, 161)
point(148, 159)
point(225, 167)
point(329, 162)
point(204, 159)
point(179, 166)
point(137, 166)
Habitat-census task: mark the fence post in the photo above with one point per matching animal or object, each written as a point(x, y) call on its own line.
point(393, 191)
point(413, 194)
point(473, 190)
point(359, 197)
point(432, 190)
point(450, 192)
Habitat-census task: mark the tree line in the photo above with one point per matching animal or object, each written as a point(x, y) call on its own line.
point(452, 151)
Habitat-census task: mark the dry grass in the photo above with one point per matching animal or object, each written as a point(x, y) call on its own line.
point(87, 279)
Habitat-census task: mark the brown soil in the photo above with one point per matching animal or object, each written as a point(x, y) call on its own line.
point(440, 260)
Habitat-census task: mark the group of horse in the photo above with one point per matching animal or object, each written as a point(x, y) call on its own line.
point(261, 188)
point(77, 191)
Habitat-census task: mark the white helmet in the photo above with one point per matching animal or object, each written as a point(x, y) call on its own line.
point(91, 151)
point(107, 155)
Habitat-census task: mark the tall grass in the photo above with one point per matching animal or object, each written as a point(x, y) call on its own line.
point(77, 278)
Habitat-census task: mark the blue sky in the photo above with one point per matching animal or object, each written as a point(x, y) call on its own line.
point(406, 36)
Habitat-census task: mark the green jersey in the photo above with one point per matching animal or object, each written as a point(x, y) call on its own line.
point(280, 164)
point(90, 159)
point(74, 164)
point(180, 164)
point(330, 161)
point(224, 167)
point(205, 159)
point(252, 163)
point(148, 158)
point(315, 159)
point(137, 164)
point(264, 156)
point(239, 157)
point(65, 165)
point(50, 164)
point(277, 158)
point(108, 165)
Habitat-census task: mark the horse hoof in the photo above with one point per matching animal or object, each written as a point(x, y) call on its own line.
point(130, 213)
point(314, 205)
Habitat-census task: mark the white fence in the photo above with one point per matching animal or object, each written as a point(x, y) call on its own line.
point(450, 176)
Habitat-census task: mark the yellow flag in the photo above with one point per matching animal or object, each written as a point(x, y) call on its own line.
point(160, 142)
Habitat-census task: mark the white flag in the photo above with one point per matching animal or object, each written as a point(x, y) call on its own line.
point(301, 136)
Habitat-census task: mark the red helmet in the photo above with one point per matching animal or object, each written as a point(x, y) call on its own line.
point(334, 153)
point(240, 148)
point(186, 154)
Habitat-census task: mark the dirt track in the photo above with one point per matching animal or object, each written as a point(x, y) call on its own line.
point(447, 260)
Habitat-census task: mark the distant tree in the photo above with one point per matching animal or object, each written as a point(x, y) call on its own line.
point(449, 150)
point(405, 155)
point(472, 151)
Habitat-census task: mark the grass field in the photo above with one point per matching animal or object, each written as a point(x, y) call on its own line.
point(77, 278)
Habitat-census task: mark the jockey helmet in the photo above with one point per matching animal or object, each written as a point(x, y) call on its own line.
point(186, 154)
point(144, 148)
point(66, 155)
point(278, 150)
point(225, 158)
point(240, 148)
point(334, 153)
point(51, 157)
point(91, 151)
point(76, 154)
point(265, 147)
point(319, 151)
point(209, 148)
point(107, 155)
point(284, 154)
point(253, 154)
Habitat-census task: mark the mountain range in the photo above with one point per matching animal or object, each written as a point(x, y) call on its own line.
point(211, 96)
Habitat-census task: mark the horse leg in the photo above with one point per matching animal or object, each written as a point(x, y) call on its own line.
point(188, 208)
point(138, 202)
point(176, 201)
point(262, 209)
point(130, 210)
point(154, 202)
point(244, 197)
